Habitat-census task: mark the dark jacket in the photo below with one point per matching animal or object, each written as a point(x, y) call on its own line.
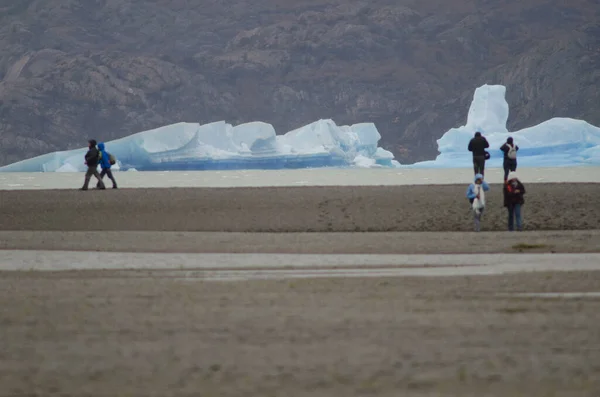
point(92, 157)
point(478, 145)
point(513, 195)
point(105, 159)
point(505, 149)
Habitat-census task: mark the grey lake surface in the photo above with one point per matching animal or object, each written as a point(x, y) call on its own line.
point(300, 177)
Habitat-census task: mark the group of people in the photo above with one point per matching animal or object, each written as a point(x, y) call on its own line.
point(513, 189)
point(98, 156)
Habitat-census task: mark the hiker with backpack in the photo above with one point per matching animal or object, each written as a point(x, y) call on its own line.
point(510, 157)
point(513, 201)
point(477, 146)
point(92, 158)
point(106, 161)
point(476, 195)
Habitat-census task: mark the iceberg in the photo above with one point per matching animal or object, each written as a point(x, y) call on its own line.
point(558, 142)
point(255, 145)
point(221, 146)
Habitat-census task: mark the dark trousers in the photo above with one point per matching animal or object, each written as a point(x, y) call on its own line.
point(479, 164)
point(107, 171)
point(92, 171)
point(510, 165)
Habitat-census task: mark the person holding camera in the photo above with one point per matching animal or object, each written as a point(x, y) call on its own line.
point(477, 146)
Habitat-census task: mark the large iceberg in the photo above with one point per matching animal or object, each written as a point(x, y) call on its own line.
point(556, 142)
point(219, 145)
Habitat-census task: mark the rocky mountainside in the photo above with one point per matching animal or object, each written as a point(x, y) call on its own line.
point(74, 69)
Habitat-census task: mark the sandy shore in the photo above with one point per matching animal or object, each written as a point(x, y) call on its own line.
point(302, 209)
point(305, 243)
point(138, 334)
point(143, 333)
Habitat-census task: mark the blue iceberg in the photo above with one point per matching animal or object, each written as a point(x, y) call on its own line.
point(558, 142)
point(255, 145)
point(221, 146)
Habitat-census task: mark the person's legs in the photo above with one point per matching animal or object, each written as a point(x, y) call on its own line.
point(511, 218)
point(506, 166)
point(88, 175)
point(518, 217)
point(477, 219)
point(101, 177)
point(478, 164)
point(100, 182)
point(513, 165)
point(111, 177)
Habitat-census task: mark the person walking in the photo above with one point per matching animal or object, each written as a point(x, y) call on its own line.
point(510, 157)
point(105, 164)
point(476, 195)
point(92, 157)
point(514, 191)
point(477, 146)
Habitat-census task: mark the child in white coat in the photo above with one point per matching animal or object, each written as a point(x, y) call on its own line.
point(476, 195)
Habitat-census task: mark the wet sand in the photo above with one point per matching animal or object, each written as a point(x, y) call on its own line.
point(574, 241)
point(139, 334)
point(304, 209)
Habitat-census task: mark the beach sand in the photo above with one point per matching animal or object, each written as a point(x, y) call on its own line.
point(139, 333)
point(304, 209)
point(136, 333)
point(574, 241)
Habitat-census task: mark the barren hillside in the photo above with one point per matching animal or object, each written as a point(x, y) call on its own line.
point(73, 69)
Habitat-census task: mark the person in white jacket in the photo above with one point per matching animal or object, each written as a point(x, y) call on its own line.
point(476, 196)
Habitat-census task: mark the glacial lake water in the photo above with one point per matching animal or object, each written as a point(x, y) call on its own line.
point(298, 177)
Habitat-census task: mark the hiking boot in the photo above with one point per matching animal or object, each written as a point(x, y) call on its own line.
point(83, 188)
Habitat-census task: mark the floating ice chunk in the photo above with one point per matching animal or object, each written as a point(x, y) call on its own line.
point(556, 142)
point(219, 145)
point(364, 162)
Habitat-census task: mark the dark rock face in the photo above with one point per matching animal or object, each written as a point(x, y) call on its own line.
point(73, 69)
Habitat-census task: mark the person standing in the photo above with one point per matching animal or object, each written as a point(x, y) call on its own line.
point(510, 157)
point(105, 164)
point(92, 157)
point(476, 195)
point(513, 201)
point(477, 146)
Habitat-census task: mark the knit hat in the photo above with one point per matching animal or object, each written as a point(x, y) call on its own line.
point(511, 176)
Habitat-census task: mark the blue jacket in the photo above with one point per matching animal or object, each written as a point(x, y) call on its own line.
point(471, 190)
point(105, 160)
